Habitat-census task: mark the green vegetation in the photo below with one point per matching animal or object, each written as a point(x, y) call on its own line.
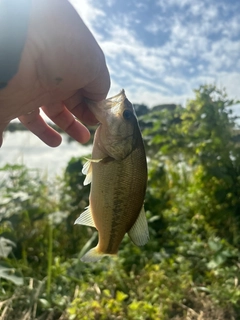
point(190, 268)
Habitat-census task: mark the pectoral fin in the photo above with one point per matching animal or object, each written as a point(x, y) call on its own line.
point(87, 170)
point(139, 231)
point(86, 218)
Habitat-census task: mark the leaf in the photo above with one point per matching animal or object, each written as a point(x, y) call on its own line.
point(107, 293)
point(214, 244)
point(57, 217)
point(45, 303)
point(134, 305)
point(10, 274)
point(120, 296)
point(5, 247)
point(88, 245)
point(20, 196)
point(4, 201)
point(11, 167)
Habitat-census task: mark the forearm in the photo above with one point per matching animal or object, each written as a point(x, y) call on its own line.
point(14, 18)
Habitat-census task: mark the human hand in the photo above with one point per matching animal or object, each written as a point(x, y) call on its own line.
point(61, 64)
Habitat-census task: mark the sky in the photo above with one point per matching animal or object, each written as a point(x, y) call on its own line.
point(160, 50)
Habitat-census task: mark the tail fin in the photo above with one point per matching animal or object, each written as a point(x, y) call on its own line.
point(93, 255)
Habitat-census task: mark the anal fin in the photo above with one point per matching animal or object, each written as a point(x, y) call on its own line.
point(139, 232)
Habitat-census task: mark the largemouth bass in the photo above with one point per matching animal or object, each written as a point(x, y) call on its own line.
point(118, 176)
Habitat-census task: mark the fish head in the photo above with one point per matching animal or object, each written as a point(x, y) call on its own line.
point(119, 132)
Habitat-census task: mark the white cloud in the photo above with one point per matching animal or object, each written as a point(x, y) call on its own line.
point(89, 13)
point(168, 72)
point(153, 27)
point(230, 81)
point(87, 10)
point(232, 29)
point(139, 94)
point(179, 3)
point(223, 54)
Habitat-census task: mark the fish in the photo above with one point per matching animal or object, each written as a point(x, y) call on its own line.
point(118, 174)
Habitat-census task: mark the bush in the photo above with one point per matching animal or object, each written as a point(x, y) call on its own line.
point(190, 267)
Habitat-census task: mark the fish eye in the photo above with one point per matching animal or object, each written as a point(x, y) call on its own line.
point(127, 114)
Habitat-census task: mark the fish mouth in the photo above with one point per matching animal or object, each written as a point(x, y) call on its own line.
point(118, 98)
point(117, 104)
point(112, 106)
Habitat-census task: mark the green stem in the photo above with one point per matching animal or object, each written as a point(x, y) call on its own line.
point(49, 269)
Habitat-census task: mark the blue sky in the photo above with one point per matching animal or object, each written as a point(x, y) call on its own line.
point(160, 50)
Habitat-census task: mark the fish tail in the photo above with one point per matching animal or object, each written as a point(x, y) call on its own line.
point(93, 255)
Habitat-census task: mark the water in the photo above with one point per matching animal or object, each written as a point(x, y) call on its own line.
point(22, 147)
